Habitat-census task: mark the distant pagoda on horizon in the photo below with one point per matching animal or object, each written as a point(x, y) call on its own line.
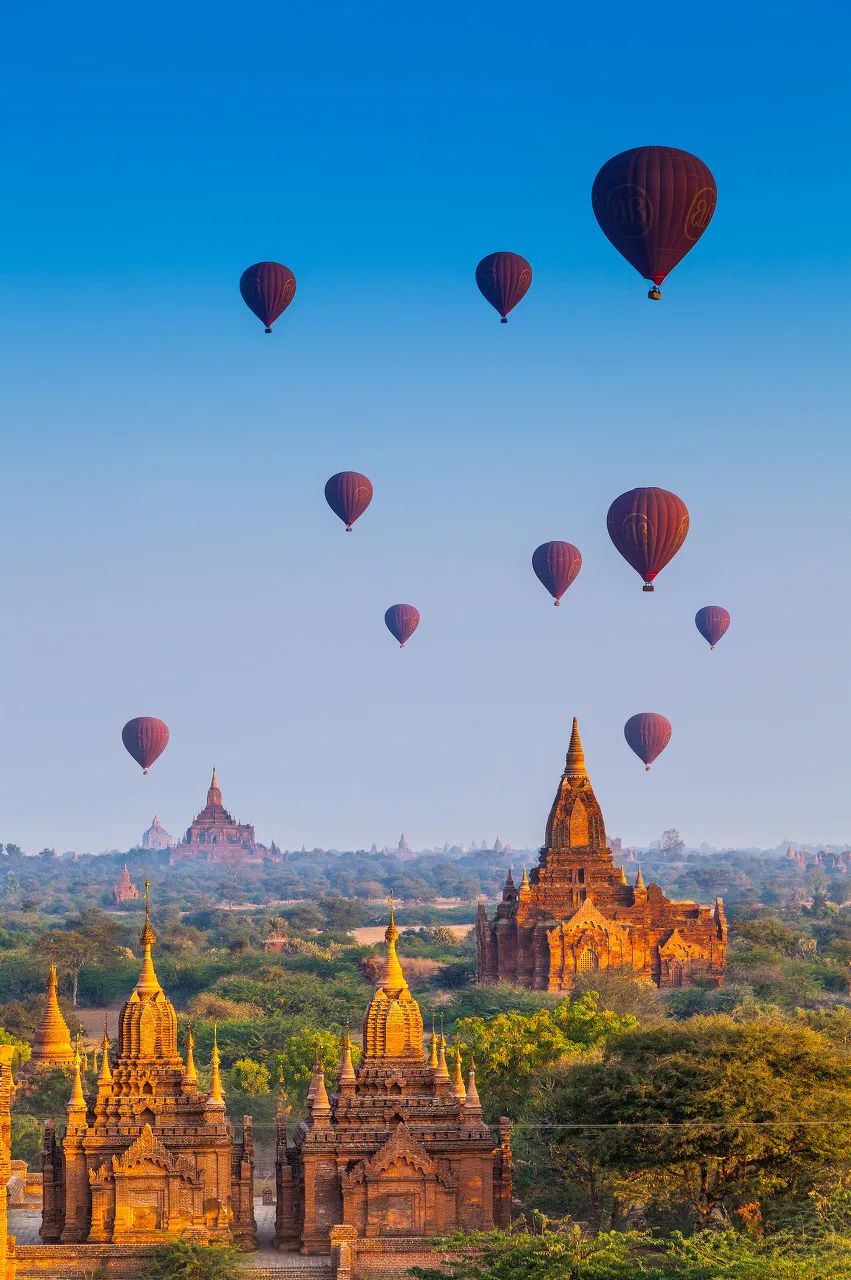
point(124, 890)
point(577, 912)
point(215, 836)
point(156, 837)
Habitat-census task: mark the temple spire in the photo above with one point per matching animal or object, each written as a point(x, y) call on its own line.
point(472, 1103)
point(442, 1072)
point(433, 1054)
point(320, 1106)
point(214, 794)
point(639, 880)
point(77, 1101)
point(216, 1097)
point(190, 1071)
point(148, 981)
point(394, 978)
point(346, 1073)
point(458, 1090)
point(524, 882)
point(575, 763)
point(105, 1074)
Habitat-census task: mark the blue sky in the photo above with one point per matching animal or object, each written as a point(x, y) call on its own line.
point(167, 547)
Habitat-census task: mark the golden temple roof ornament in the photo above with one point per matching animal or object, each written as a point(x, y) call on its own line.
point(77, 1101)
point(52, 1041)
point(346, 1074)
point(148, 981)
point(216, 1097)
point(393, 1025)
point(190, 1071)
point(458, 1090)
point(472, 1103)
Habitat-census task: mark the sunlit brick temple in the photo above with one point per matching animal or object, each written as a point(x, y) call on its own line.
point(398, 1154)
point(149, 1156)
point(577, 912)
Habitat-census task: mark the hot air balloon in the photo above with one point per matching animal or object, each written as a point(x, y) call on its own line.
point(503, 278)
point(712, 621)
point(267, 289)
point(556, 564)
point(654, 204)
point(648, 527)
point(648, 734)
point(348, 494)
point(146, 738)
point(402, 621)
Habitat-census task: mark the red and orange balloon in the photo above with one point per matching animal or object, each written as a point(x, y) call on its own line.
point(146, 738)
point(648, 526)
point(556, 565)
point(647, 734)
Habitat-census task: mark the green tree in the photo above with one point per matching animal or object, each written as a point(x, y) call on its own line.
point(551, 1255)
point(187, 1260)
point(294, 1065)
point(699, 1117)
point(512, 1047)
point(27, 1139)
point(248, 1076)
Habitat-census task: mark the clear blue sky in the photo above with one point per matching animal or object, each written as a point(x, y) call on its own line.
point(167, 549)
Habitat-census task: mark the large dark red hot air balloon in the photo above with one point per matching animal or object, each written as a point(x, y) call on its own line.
point(556, 564)
point(712, 621)
point(648, 734)
point(146, 738)
point(648, 527)
point(402, 621)
point(267, 289)
point(348, 494)
point(503, 278)
point(654, 204)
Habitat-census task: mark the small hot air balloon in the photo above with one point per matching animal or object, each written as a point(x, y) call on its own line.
point(648, 527)
point(348, 494)
point(556, 564)
point(267, 289)
point(654, 204)
point(146, 738)
point(402, 621)
point(712, 621)
point(503, 278)
point(648, 734)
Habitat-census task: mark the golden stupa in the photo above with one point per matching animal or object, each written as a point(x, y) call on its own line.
point(52, 1041)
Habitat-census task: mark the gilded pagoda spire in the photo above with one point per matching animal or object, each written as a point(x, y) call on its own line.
point(458, 1090)
point(432, 1062)
point(216, 1096)
point(148, 981)
point(105, 1074)
point(442, 1072)
point(575, 762)
point(190, 1072)
point(472, 1103)
point(639, 880)
point(52, 1041)
point(77, 1101)
point(346, 1074)
point(393, 1025)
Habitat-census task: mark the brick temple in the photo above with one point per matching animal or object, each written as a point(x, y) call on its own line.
point(124, 890)
point(577, 912)
point(215, 836)
point(399, 1153)
point(150, 1156)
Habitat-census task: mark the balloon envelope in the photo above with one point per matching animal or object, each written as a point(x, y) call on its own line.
point(654, 204)
point(648, 527)
point(648, 734)
point(712, 621)
point(267, 288)
point(402, 621)
point(556, 564)
point(503, 278)
point(146, 738)
point(348, 494)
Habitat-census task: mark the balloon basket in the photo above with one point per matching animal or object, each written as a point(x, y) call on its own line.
point(503, 320)
point(348, 528)
point(654, 294)
point(268, 328)
point(556, 603)
point(648, 586)
point(144, 773)
point(647, 768)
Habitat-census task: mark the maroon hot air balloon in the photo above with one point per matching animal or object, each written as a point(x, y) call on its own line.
point(654, 204)
point(402, 621)
point(503, 278)
point(648, 734)
point(556, 564)
point(348, 494)
point(712, 621)
point(267, 289)
point(146, 738)
point(648, 527)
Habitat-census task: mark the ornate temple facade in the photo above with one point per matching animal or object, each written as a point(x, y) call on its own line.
point(216, 836)
point(156, 837)
point(577, 911)
point(124, 890)
point(399, 1153)
point(149, 1156)
point(51, 1046)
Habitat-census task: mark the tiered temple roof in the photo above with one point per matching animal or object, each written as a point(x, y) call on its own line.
point(215, 836)
point(400, 1149)
point(577, 911)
